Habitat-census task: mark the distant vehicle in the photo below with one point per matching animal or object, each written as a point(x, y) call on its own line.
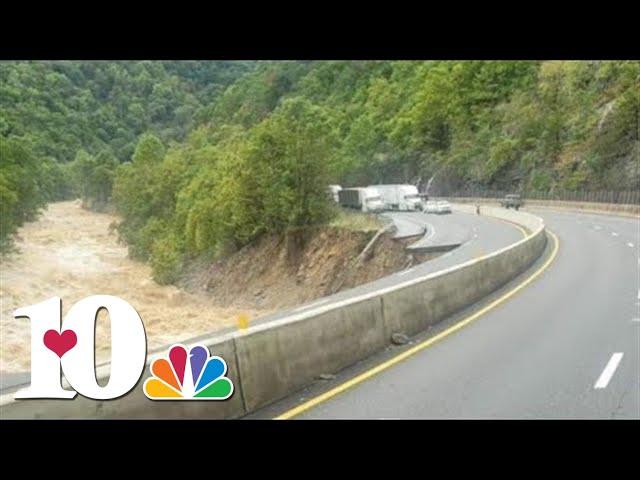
point(439, 207)
point(400, 197)
point(512, 201)
point(333, 192)
point(366, 199)
point(431, 207)
point(444, 206)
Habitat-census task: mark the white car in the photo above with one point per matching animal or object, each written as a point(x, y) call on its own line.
point(444, 206)
point(431, 207)
point(440, 206)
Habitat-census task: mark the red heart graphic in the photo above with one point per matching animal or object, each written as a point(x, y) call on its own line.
point(60, 343)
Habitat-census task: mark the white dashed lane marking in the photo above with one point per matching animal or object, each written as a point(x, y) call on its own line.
point(608, 371)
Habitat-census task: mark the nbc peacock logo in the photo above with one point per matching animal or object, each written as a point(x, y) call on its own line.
point(188, 375)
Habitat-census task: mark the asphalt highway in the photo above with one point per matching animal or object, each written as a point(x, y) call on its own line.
point(567, 345)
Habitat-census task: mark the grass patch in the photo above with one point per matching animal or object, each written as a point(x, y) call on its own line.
point(359, 221)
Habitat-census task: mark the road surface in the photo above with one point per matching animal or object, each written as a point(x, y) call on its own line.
point(437, 231)
point(566, 346)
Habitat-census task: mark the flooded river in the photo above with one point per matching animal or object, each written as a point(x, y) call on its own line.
point(71, 253)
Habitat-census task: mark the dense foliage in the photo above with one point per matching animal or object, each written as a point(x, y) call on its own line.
point(507, 125)
point(25, 186)
point(66, 125)
point(65, 106)
point(221, 190)
point(235, 150)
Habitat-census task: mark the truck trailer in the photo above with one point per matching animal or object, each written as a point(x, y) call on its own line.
point(400, 197)
point(366, 199)
point(332, 191)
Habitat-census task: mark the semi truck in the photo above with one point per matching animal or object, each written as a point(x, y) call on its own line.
point(366, 199)
point(399, 197)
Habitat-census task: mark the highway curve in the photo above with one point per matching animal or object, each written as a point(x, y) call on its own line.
point(567, 345)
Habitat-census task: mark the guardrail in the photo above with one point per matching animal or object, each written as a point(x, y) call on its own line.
point(595, 207)
point(621, 197)
point(270, 360)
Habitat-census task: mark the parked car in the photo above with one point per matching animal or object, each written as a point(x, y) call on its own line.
point(366, 199)
point(512, 201)
point(399, 197)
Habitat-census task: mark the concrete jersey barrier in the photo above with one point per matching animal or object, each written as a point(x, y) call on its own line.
point(270, 360)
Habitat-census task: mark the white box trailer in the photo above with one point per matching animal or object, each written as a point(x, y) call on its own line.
point(366, 199)
point(400, 197)
point(333, 191)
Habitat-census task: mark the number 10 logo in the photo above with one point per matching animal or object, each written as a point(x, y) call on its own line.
point(70, 345)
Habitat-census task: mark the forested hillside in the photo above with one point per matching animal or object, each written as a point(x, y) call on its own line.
point(232, 151)
point(56, 116)
point(498, 124)
point(62, 107)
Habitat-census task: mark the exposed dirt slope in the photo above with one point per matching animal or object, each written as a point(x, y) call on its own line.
point(285, 270)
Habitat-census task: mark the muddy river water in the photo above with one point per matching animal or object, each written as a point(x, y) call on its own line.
point(72, 253)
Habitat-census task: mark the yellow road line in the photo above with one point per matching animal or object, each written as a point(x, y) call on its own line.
point(524, 233)
point(421, 346)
